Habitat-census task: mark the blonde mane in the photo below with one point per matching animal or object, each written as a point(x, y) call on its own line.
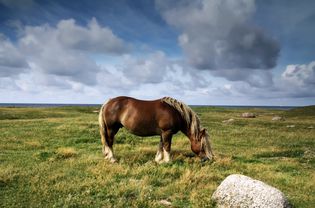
point(190, 117)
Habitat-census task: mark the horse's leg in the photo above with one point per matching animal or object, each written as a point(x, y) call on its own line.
point(159, 154)
point(111, 132)
point(104, 135)
point(167, 141)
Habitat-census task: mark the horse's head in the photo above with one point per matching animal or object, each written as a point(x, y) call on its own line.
point(201, 146)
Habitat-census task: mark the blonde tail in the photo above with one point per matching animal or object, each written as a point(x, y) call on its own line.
point(103, 129)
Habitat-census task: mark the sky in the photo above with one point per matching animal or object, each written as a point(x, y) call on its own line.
point(203, 52)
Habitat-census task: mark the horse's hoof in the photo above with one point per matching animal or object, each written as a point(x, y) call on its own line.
point(203, 160)
point(113, 160)
point(163, 162)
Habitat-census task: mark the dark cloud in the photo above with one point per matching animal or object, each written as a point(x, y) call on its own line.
point(217, 35)
point(246, 48)
point(12, 62)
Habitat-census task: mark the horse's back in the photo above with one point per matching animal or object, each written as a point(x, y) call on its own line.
point(142, 117)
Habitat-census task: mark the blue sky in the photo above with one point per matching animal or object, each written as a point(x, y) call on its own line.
point(240, 52)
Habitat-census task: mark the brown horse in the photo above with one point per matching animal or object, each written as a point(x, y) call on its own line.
point(163, 117)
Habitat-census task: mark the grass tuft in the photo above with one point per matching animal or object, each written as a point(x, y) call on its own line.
point(66, 152)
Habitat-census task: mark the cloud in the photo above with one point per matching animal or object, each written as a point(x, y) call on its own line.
point(93, 38)
point(299, 80)
point(296, 82)
point(157, 68)
point(150, 76)
point(57, 62)
point(46, 54)
point(66, 50)
point(255, 78)
point(217, 35)
point(12, 62)
point(146, 70)
point(300, 75)
point(58, 55)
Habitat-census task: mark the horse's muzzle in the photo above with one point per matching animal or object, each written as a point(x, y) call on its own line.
point(204, 159)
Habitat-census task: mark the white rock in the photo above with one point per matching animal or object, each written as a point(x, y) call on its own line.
point(165, 202)
point(228, 121)
point(248, 115)
point(277, 118)
point(242, 191)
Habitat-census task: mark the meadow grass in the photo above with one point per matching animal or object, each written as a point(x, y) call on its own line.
point(51, 157)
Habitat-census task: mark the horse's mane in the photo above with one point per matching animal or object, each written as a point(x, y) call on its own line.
point(187, 114)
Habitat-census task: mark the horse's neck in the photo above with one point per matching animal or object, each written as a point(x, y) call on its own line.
point(191, 135)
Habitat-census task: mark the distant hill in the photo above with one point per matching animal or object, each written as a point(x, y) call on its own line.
point(301, 111)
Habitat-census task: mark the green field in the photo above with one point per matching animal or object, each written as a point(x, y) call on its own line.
point(51, 157)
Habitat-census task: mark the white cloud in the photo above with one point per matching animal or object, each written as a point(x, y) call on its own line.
point(255, 78)
point(92, 38)
point(65, 50)
point(151, 69)
point(58, 64)
point(296, 83)
point(299, 80)
point(156, 68)
point(300, 75)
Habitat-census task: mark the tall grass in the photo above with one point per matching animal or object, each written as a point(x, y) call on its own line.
point(51, 157)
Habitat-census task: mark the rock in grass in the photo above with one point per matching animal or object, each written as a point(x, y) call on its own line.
point(165, 202)
point(228, 121)
point(277, 118)
point(242, 191)
point(248, 115)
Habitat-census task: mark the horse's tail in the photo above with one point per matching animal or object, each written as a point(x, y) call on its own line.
point(102, 123)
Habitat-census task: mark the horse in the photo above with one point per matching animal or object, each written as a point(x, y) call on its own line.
point(163, 117)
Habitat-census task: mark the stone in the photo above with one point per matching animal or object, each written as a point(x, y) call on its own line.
point(228, 121)
point(242, 191)
point(165, 202)
point(277, 118)
point(290, 126)
point(248, 115)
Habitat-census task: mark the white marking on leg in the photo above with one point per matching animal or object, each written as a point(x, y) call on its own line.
point(167, 156)
point(110, 155)
point(158, 156)
point(105, 150)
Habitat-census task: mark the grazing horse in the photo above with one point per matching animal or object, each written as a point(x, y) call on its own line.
point(164, 117)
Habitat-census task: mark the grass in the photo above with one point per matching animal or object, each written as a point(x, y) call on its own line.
point(51, 157)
